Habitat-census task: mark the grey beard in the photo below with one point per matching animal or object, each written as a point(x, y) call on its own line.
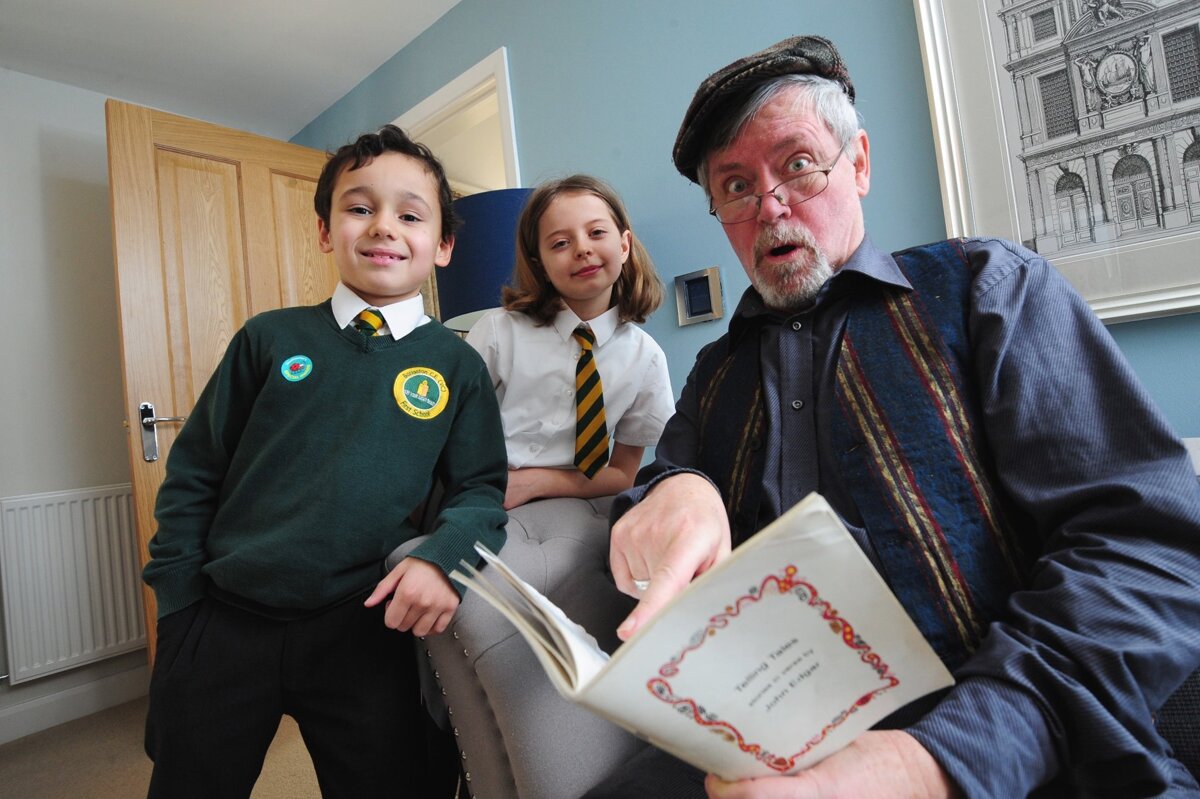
point(790, 286)
point(799, 289)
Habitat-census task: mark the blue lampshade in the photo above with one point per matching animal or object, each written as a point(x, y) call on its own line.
point(484, 252)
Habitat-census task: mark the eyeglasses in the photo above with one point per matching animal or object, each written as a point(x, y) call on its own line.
point(791, 192)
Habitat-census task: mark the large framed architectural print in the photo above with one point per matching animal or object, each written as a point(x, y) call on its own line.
point(1073, 126)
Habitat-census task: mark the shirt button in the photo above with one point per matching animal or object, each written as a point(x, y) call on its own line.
point(797, 404)
point(796, 325)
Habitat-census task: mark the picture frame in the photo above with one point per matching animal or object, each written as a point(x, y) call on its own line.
point(698, 296)
point(1059, 125)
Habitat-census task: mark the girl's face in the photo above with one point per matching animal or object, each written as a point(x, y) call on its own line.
point(582, 250)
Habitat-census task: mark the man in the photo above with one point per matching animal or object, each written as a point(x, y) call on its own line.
point(978, 431)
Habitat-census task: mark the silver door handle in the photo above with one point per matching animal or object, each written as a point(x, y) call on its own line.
point(150, 432)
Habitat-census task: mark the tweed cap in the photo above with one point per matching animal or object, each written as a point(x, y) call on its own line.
point(722, 91)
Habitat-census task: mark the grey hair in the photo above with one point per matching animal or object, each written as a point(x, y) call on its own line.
point(826, 97)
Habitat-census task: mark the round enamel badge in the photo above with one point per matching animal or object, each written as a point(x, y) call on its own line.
point(421, 392)
point(296, 368)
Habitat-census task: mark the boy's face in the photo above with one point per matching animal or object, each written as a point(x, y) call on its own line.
point(385, 228)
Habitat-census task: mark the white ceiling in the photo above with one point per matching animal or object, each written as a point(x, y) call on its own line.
point(268, 66)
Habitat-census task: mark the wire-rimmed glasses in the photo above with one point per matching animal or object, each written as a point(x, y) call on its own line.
point(791, 192)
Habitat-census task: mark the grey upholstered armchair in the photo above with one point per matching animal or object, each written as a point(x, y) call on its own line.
point(516, 735)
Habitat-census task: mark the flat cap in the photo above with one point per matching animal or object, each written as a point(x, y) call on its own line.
point(721, 91)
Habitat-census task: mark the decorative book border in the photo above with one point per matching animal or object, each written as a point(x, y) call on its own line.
point(782, 586)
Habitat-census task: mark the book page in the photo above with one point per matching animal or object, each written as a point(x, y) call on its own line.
point(530, 626)
point(575, 644)
point(776, 658)
point(576, 656)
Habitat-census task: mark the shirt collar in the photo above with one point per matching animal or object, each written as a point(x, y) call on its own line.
point(872, 262)
point(401, 317)
point(603, 326)
point(867, 260)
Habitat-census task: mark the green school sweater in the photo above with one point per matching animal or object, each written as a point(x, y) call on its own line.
point(297, 471)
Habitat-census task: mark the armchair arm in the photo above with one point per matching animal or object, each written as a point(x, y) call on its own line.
point(516, 734)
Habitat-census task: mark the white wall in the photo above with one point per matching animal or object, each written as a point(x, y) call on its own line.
point(60, 370)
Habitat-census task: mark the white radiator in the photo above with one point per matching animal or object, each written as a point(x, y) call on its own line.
point(70, 579)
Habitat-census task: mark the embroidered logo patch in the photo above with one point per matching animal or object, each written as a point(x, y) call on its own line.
point(421, 392)
point(296, 368)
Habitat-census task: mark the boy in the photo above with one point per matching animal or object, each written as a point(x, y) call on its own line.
point(321, 430)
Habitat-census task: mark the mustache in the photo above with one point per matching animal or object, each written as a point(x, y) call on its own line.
point(770, 238)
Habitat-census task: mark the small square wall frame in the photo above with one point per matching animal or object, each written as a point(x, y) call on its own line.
point(698, 296)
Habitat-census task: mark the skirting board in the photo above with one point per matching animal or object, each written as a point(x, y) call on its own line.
point(26, 718)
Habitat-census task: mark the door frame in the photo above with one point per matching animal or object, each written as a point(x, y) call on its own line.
point(489, 76)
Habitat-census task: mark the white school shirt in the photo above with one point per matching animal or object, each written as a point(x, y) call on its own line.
point(533, 370)
point(399, 318)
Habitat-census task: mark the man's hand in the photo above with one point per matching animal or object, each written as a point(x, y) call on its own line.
point(888, 763)
point(422, 599)
point(677, 531)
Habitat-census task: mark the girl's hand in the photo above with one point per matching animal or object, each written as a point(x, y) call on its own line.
point(537, 482)
point(523, 486)
point(422, 599)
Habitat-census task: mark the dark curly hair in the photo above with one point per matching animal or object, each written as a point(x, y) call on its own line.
point(364, 150)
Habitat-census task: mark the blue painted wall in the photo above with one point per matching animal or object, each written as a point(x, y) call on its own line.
point(601, 88)
point(1166, 355)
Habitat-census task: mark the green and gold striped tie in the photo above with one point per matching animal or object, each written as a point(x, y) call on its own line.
point(591, 431)
point(369, 322)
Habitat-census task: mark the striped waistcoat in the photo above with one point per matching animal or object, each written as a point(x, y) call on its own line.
point(911, 450)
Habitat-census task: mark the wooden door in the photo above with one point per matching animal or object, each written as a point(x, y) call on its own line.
point(1126, 207)
point(1191, 177)
point(210, 226)
point(1147, 203)
point(1066, 218)
point(1072, 217)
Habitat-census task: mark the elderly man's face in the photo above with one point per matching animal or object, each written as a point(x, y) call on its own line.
point(789, 251)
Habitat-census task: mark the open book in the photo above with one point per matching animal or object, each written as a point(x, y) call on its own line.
point(772, 660)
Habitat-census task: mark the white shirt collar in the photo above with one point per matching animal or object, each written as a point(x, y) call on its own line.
point(603, 326)
point(401, 317)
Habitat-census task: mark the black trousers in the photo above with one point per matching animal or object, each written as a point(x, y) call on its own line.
point(652, 773)
point(223, 677)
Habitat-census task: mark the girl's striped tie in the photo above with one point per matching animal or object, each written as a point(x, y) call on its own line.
point(591, 432)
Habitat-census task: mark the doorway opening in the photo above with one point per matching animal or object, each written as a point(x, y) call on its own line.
point(468, 124)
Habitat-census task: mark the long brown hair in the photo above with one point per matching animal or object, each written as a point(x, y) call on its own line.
point(637, 292)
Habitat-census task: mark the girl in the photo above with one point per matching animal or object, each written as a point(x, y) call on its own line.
point(578, 266)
